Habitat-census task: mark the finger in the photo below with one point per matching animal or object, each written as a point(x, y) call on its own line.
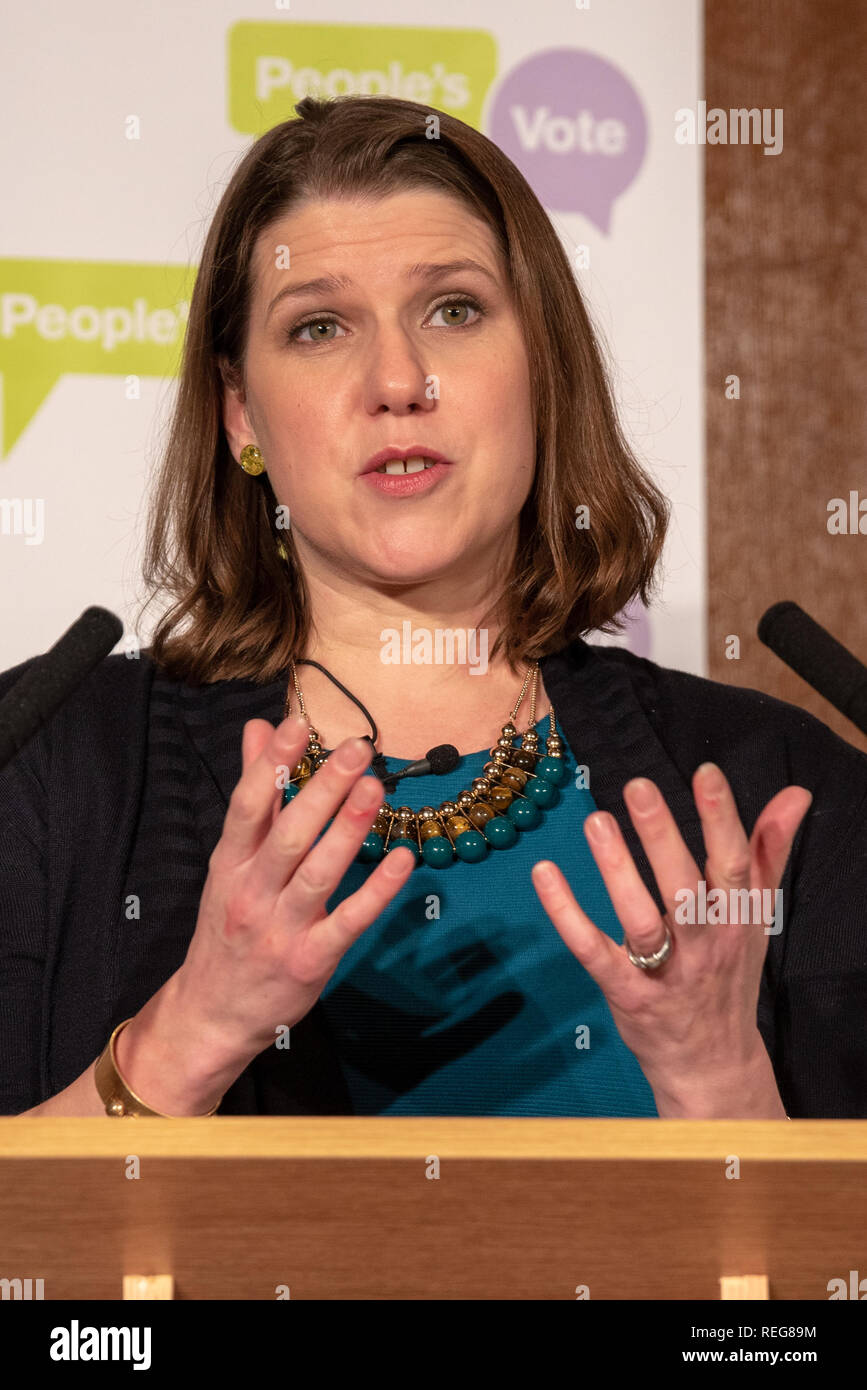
point(636, 910)
point(321, 870)
point(673, 866)
point(774, 832)
point(596, 951)
point(298, 824)
point(255, 737)
point(356, 912)
point(729, 861)
point(250, 812)
point(256, 734)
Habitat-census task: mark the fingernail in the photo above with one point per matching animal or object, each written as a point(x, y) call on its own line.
point(355, 754)
point(711, 778)
point(395, 868)
point(600, 827)
point(544, 875)
point(643, 794)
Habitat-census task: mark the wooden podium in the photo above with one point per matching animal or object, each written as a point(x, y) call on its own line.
point(350, 1208)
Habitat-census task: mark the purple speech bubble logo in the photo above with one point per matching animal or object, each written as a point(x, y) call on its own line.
point(636, 635)
point(575, 127)
point(637, 630)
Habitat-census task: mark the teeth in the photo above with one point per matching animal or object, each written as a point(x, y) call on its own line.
point(412, 465)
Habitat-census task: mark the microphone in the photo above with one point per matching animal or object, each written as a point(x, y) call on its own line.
point(436, 760)
point(40, 692)
point(819, 658)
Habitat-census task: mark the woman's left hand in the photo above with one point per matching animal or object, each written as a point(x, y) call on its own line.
point(691, 1023)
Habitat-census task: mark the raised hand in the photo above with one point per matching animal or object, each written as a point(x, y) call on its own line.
point(691, 1023)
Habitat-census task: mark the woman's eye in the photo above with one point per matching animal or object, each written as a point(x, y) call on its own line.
point(456, 312)
point(316, 334)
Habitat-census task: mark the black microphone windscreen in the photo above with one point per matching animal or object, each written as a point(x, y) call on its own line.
point(53, 677)
point(443, 758)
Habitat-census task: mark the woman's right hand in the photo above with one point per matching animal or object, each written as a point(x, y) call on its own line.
point(264, 946)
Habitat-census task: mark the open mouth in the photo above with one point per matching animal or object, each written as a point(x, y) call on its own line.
point(401, 466)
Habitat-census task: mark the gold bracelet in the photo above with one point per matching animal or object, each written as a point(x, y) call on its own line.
point(120, 1098)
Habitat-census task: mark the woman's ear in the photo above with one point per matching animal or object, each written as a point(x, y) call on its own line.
point(236, 422)
point(231, 376)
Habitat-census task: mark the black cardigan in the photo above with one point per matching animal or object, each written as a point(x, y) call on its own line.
point(70, 804)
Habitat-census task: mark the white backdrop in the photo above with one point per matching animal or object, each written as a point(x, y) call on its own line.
point(79, 81)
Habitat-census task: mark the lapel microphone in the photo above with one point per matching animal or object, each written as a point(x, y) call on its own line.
point(437, 760)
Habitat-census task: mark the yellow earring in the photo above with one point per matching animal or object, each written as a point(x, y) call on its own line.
point(251, 460)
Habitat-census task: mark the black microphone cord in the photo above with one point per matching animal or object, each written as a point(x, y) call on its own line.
point(378, 761)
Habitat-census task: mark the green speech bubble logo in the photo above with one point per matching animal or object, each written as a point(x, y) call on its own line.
point(272, 65)
point(97, 317)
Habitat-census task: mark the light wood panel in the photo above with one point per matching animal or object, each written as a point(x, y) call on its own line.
point(342, 1208)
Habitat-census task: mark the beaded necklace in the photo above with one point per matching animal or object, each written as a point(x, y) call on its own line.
point(518, 784)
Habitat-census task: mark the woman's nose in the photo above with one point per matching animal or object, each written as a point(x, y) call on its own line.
point(397, 374)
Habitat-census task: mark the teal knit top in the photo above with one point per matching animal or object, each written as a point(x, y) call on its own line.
point(462, 997)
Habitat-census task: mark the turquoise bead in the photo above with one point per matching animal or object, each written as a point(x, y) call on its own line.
point(470, 846)
point(371, 848)
point(436, 851)
point(525, 814)
point(543, 793)
point(410, 844)
point(500, 833)
point(290, 791)
point(552, 769)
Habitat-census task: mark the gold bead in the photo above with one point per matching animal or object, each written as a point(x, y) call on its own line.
point(251, 460)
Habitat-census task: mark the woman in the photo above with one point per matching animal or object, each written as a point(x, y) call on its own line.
point(377, 287)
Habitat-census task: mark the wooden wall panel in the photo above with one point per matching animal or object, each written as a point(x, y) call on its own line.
point(786, 311)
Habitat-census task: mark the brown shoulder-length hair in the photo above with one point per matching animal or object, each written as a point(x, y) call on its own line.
point(240, 608)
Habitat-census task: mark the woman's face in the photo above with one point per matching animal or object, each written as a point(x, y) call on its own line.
point(402, 353)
